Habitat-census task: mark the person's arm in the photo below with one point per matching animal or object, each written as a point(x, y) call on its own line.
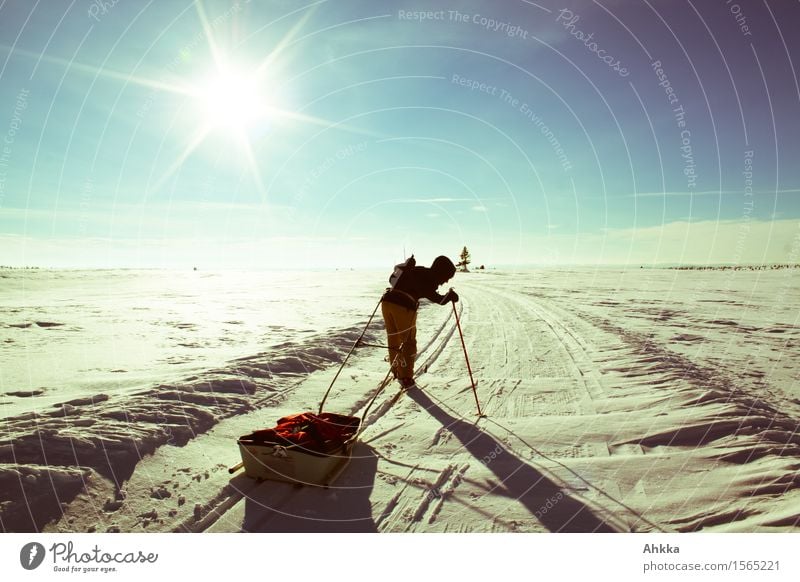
point(427, 288)
point(450, 296)
point(433, 296)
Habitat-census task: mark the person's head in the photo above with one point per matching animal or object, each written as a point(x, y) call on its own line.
point(443, 270)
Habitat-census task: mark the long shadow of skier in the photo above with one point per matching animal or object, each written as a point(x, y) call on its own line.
point(521, 481)
point(344, 507)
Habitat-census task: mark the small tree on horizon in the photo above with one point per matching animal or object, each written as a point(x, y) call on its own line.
point(465, 260)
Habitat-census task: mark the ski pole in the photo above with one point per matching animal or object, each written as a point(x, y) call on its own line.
point(347, 357)
point(466, 357)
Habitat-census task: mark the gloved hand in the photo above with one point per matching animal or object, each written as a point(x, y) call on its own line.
point(451, 296)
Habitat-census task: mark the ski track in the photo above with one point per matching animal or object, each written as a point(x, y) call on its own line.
point(537, 338)
point(589, 427)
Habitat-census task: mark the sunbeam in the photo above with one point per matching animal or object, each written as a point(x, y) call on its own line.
point(104, 72)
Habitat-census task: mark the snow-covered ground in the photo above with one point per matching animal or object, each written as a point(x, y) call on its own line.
point(615, 400)
point(73, 334)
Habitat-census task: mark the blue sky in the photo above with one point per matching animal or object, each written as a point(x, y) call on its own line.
point(274, 134)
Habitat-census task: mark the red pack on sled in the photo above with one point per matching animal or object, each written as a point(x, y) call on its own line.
point(305, 448)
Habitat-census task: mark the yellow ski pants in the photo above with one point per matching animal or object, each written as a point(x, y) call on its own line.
point(401, 332)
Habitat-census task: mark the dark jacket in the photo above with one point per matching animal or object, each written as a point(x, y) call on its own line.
point(421, 283)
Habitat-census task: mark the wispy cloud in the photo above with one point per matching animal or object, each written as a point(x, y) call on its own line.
point(447, 200)
point(709, 193)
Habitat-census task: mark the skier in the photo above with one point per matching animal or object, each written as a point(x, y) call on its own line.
point(399, 307)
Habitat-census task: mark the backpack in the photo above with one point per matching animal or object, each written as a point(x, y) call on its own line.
point(315, 433)
point(399, 269)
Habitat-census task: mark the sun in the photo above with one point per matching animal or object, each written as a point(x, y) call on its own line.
point(230, 99)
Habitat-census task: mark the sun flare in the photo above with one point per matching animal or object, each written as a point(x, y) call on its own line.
point(230, 99)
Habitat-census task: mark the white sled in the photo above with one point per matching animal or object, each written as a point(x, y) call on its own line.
point(294, 464)
point(297, 464)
